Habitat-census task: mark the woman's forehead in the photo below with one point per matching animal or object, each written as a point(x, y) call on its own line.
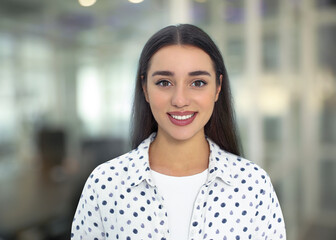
point(180, 57)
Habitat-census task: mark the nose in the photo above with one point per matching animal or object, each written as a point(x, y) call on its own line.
point(180, 97)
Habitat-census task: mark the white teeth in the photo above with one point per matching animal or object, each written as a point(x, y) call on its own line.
point(182, 117)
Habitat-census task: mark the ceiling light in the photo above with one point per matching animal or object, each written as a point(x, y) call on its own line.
point(135, 1)
point(87, 3)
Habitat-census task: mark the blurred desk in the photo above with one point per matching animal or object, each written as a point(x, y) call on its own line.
point(46, 196)
point(31, 197)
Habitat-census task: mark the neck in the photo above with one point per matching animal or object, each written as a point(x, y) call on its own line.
point(179, 158)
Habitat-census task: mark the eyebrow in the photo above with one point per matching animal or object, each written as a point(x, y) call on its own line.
point(198, 73)
point(169, 73)
point(163, 73)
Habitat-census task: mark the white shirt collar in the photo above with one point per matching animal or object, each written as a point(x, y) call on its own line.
point(140, 170)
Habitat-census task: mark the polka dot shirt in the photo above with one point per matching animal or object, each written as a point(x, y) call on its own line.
point(120, 201)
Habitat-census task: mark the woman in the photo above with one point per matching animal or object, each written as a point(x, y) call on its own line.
point(184, 179)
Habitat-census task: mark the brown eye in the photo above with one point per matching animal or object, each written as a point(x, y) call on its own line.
point(163, 83)
point(198, 83)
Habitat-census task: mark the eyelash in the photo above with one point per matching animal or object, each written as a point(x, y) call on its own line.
point(203, 83)
point(166, 83)
point(162, 83)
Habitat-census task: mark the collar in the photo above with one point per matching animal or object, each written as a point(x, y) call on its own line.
point(139, 171)
point(219, 164)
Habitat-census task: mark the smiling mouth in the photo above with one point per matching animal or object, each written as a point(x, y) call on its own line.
point(182, 117)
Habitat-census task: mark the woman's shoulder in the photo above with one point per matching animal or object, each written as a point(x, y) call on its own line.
point(114, 163)
point(124, 168)
point(247, 176)
point(121, 163)
point(110, 169)
point(247, 170)
point(242, 164)
point(241, 169)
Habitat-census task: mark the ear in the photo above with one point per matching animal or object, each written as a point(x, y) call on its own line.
point(219, 87)
point(144, 89)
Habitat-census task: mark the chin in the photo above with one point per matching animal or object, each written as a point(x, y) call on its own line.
point(183, 135)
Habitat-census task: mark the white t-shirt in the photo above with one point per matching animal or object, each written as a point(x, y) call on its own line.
point(179, 195)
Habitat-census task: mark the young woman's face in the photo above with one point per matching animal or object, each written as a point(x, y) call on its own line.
point(181, 90)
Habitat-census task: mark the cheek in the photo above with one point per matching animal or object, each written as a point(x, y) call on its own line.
point(206, 99)
point(157, 100)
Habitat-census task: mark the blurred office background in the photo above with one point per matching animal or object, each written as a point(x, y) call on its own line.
point(66, 83)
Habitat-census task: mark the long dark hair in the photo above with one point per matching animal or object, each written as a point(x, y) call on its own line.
point(221, 127)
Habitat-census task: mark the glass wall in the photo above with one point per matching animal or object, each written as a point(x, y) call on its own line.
point(67, 75)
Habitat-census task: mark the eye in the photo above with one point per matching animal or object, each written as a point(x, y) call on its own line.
point(198, 83)
point(163, 83)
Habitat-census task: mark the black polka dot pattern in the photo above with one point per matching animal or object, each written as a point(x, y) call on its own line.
point(121, 201)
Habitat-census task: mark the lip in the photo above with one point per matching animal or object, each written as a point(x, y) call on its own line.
point(182, 122)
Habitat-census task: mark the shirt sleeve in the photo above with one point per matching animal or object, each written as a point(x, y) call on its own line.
point(270, 220)
point(87, 222)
